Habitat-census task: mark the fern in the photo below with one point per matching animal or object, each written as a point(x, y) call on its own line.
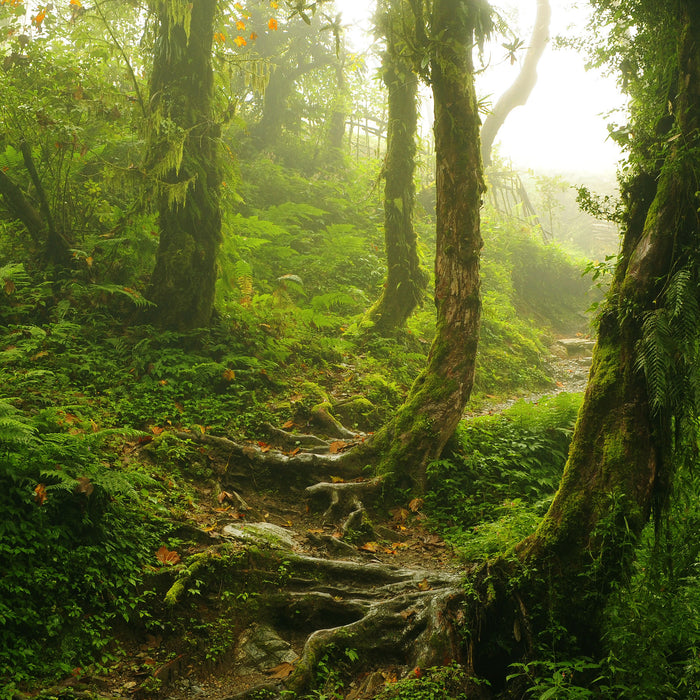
point(16, 433)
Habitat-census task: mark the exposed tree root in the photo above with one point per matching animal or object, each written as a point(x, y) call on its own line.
point(344, 500)
point(389, 615)
point(248, 463)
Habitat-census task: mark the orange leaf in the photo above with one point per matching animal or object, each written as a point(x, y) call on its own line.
point(40, 494)
point(224, 495)
point(316, 530)
point(39, 18)
point(424, 585)
point(337, 446)
point(264, 447)
point(156, 430)
point(166, 557)
point(369, 547)
point(288, 424)
point(337, 480)
point(229, 375)
point(272, 24)
point(295, 451)
point(284, 670)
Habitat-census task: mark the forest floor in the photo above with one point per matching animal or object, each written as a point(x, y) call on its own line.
point(220, 641)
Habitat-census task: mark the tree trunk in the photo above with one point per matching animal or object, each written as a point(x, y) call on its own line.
point(406, 281)
point(182, 157)
point(622, 454)
point(519, 92)
point(436, 401)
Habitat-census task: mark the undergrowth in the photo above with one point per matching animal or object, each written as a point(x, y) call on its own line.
point(499, 476)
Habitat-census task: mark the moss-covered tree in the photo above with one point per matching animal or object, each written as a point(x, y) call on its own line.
point(638, 416)
point(406, 280)
point(182, 161)
point(434, 406)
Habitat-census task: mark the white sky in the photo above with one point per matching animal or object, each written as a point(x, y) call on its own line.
point(560, 129)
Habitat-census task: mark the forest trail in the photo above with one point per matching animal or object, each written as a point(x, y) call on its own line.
point(570, 364)
point(277, 578)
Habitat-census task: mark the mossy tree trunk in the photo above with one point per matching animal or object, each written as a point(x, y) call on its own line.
point(626, 441)
point(182, 159)
point(406, 280)
point(435, 404)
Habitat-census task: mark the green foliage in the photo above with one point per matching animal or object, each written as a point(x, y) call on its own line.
point(501, 475)
point(438, 683)
point(652, 635)
point(72, 546)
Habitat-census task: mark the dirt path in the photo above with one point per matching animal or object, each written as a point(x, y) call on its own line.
point(571, 363)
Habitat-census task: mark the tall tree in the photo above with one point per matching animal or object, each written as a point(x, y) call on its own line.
point(519, 92)
point(406, 280)
point(435, 404)
point(182, 160)
point(638, 419)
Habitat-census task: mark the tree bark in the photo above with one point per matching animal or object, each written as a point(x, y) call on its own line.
point(435, 404)
point(519, 92)
point(406, 280)
point(622, 454)
point(182, 156)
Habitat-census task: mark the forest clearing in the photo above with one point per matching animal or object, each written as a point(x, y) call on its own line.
point(303, 399)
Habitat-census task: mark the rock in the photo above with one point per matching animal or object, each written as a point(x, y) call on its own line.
point(261, 533)
point(577, 346)
point(260, 648)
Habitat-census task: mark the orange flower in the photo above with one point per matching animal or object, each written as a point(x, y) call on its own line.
point(240, 41)
point(253, 36)
point(240, 25)
point(273, 24)
point(39, 17)
point(219, 37)
point(274, 5)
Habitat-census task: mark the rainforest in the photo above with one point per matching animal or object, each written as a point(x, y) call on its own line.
point(307, 392)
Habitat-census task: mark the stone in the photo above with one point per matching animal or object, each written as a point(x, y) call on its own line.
point(260, 648)
point(261, 533)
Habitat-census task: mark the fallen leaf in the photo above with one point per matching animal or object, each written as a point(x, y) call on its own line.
point(424, 585)
point(315, 530)
point(399, 515)
point(369, 547)
point(416, 504)
point(264, 447)
point(289, 424)
point(156, 430)
point(295, 451)
point(337, 446)
point(40, 494)
point(283, 670)
point(337, 480)
point(224, 495)
point(229, 375)
point(408, 614)
point(166, 557)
